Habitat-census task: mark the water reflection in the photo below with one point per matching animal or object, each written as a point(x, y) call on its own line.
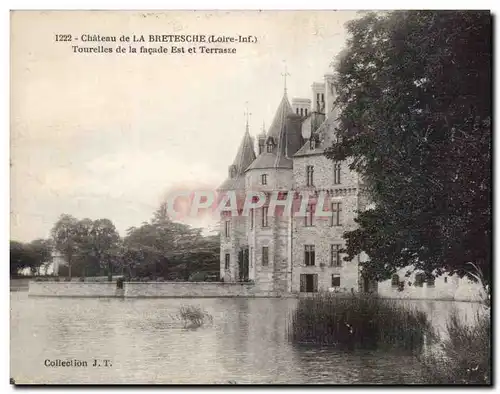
point(146, 342)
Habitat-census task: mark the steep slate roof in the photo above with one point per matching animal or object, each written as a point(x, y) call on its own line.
point(285, 132)
point(244, 157)
point(324, 135)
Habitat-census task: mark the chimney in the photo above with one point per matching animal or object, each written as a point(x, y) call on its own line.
point(329, 94)
point(301, 106)
point(318, 91)
point(261, 139)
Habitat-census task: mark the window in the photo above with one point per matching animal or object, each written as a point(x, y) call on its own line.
point(227, 228)
point(305, 112)
point(297, 110)
point(395, 280)
point(265, 255)
point(335, 257)
point(265, 210)
point(263, 179)
point(322, 97)
point(270, 147)
point(419, 279)
point(232, 171)
point(335, 280)
point(312, 143)
point(336, 173)
point(336, 214)
point(302, 112)
point(308, 283)
point(227, 261)
point(310, 215)
point(252, 213)
point(445, 279)
point(431, 282)
point(310, 255)
point(310, 175)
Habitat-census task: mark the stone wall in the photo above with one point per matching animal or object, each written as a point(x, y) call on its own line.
point(74, 289)
point(145, 289)
point(189, 289)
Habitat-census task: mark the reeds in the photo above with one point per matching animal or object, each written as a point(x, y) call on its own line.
point(358, 321)
point(464, 357)
point(194, 316)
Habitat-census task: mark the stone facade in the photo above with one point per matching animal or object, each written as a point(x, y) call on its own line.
point(276, 247)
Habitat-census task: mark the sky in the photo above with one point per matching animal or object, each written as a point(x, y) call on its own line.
point(108, 135)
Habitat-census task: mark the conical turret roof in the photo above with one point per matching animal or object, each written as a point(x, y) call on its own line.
point(285, 135)
point(244, 157)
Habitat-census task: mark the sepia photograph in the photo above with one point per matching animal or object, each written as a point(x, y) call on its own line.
point(244, 197)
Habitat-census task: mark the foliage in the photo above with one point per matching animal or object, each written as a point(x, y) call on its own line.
point(194, 316)
point(91, 245)
point(160, 248)
point(463, 358)
point(414, 97)
point(65, 236)
point(34, 255)
point(168, 249)
point(358, 321)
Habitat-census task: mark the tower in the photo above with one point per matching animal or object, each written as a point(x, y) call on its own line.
point(269, 235)
point(234, 245)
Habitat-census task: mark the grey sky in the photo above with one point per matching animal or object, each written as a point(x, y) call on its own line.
point(107, 135)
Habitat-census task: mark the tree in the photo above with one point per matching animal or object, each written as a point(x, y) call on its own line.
point(414, 97)
point(41, 250)
point(165, 248)
point(87, 242)
point(31, 255)
point(19, 257)
point(66, 237)
point(99, 240)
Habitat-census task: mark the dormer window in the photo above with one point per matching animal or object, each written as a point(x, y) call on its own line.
point(270, 145)
point(312, 143)
point(232, 171)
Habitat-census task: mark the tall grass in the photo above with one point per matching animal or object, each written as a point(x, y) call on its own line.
point(464, 357)
point(358, 321)
point(194, 316)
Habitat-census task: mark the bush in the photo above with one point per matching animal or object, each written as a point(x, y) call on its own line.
point(358, 321)
point(194, 316)
point(56, 279)
point(464, 357)
point(82, 279)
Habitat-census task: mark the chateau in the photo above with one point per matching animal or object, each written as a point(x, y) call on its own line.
point(285, 253)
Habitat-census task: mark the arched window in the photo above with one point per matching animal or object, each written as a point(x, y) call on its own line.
point(232, 171)
point(419, 279)
point(395, 280)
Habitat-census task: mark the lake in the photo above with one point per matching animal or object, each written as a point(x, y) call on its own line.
point(145, 342)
